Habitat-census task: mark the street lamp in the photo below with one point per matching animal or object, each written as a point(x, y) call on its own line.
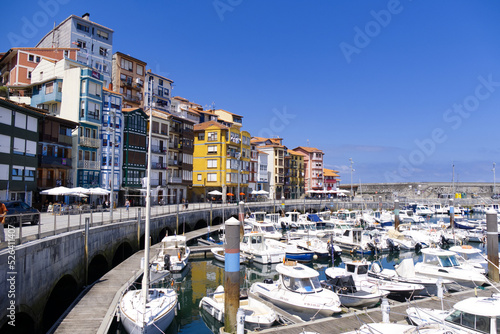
point(352, 170)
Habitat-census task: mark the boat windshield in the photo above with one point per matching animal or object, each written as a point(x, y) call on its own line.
point(268, 228)
point(477, 322)
point(448, 261)
point(302, 285)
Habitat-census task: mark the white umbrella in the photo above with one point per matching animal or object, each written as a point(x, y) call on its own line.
point(97, 191)
point(262, 192)
point(78, 191)
point(215, 192)
point(56, 191)
point(254, 192)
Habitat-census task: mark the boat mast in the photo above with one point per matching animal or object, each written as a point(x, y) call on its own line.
point(145, 277)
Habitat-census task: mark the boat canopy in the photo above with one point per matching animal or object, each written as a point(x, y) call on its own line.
point(313, 217)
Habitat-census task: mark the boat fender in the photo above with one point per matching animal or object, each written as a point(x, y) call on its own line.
point(179, 255)
point(268, 280)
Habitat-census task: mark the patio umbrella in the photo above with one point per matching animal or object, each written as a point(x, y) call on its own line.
point(57, 191)
point(262, 192)
point(215, 192)
point(97, 191)
point(78, 191)
point(229, 194)
point(242, 194)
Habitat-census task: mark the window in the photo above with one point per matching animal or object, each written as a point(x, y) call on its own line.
point(37, 59)
point(30, 148)
point(212, 177)
point(82, 27)
point(31, 58)
point(201, 136)
point(211, 163)
point(17, 173)
point(4, 172)
point(93, 110)
point(199, 177)
point(160, 82)
point(5, 116)
point(81, 44)
point(4, 144)
point(29, 74)
point(41, 75)
point(102, 34)
point(212, 149)
point(126, 64)
point(49, 88)
point(29, 174)
point(140, 69)
point(212, 136)
point(20, 120)
point(103, 51)
point(32, 124)
point(94, 89)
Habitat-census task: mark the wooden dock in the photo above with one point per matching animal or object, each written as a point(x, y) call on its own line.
point(94, 309)
point(353, 319)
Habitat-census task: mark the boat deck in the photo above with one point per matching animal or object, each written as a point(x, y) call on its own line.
point(353, 319)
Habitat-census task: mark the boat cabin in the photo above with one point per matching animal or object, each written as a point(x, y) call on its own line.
point(258, 216)
point(299, 278)
point(480, 314)
point(357, 268)
point(273, 218)
point(292, 216)
point(441, 258)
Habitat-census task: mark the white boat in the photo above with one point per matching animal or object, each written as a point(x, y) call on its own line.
point(305, 228)
point(257, 223)
point(148, 310)
point(356, 240)
point(253, 245)
point(257, 314)
point(408, 216)
point(359, 272)
point(404, 272)
point(471, 315)
point(288, 219)
point(471, 256)
point(298, 290)
point(479, 208)
point(292, 251)
point(394, 328)
point(350, 296)
point(220, 255)
point(440, 209)
point(423, 210)
point(318, 246)
point(438, 262)
point(404, 242)
point(174, 250)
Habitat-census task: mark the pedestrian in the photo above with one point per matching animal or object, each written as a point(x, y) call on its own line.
point(3, 213)
point(127, 204)
point(186, 203)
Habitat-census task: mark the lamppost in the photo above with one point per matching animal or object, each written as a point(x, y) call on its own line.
point(112, 180)
point(352, 170)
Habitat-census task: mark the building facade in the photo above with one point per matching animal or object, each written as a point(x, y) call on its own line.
point(94, 41)
point(313, 167)
point(129, 75)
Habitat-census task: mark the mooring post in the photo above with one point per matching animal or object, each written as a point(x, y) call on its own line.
point(232, 274)
point(452, 218)
point(396, 214)
point(492, 244)
point(241, 218)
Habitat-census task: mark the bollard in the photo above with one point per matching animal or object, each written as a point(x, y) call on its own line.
point(386, 309)
point(68, 221)
point(39, 226)
point(231, 274)
point(492, 245)
point(80, 221)
point(20, 221)
point(55, 227)
point(138, 228)
point(240, 318)
point(241, 218)
point(396, 214)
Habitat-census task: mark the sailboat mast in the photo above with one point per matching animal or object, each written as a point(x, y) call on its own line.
point(145, 277)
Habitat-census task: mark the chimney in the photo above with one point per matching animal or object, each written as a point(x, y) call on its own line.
point(86, 16)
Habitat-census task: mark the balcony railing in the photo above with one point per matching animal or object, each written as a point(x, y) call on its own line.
point(158, 182)
point(159, 165)
point(89, 142)
point(64, 139)
point(172, 162)
point(54, 161)
point(158, 149)
point(175, 179)
point(88, 164)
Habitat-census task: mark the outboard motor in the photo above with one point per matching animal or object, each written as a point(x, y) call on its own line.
point(283, 225)
point(268, 280)
point(444, 241)
point(166, 260)
point(418, 247)
point(372, 247)
point(391, 245)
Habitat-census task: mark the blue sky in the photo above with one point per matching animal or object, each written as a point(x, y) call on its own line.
point(404, 88)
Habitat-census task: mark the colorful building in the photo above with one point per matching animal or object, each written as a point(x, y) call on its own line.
point(313, 167)
point(129, 75)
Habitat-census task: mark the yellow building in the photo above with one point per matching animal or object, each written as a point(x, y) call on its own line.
point(219, 153)
point(296, 172)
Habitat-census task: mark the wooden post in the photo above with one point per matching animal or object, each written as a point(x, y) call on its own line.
point(396, 214)
point(492, 244)
point(232, 274)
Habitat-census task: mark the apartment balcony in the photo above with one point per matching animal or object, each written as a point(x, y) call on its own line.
point(175, 179)
point(173, 162)
point(159, 165)
point(131, 98)
point(64, 139)
point(158, 149)
point(56, 162)
point(89, 142)
point(88, 164)
point(158, 182)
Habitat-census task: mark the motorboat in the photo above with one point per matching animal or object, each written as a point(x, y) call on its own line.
point(253, 245)
point(395, 328)
point(384, 218)
point(404, 242)
point(273, 218)
point(350, 296)
point(220, 255)
point(442, 263)
point(318, 246)
point(404, 272)
point(478, 208)
point(464, 224)
point(257, 314)
point(423, 210)
point(356, 240)
point(306, 227)
point(293, 252)
point(471, 315)
point(173, 249)
point(257, 223)
point(298, 290)
point(471, 256)
point(439, 209)
point(148, 310)
point(359, 272)
point(288, 219)
point(408, 216)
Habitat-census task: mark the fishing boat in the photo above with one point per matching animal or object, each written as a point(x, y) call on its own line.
point(257, 314)
point(356, 240)
point(350, 296)
point(173, 255)
point(149, 310)
point(442, 263)
point(404, 272)
point(253, 245)
point(298, 290)
point(220, 255)
point(318, 246)
point(289, 219)
point(359, 272)
point(471, 315)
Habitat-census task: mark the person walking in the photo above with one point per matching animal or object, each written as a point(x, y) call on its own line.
point(3, 213)
point(127, 204)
